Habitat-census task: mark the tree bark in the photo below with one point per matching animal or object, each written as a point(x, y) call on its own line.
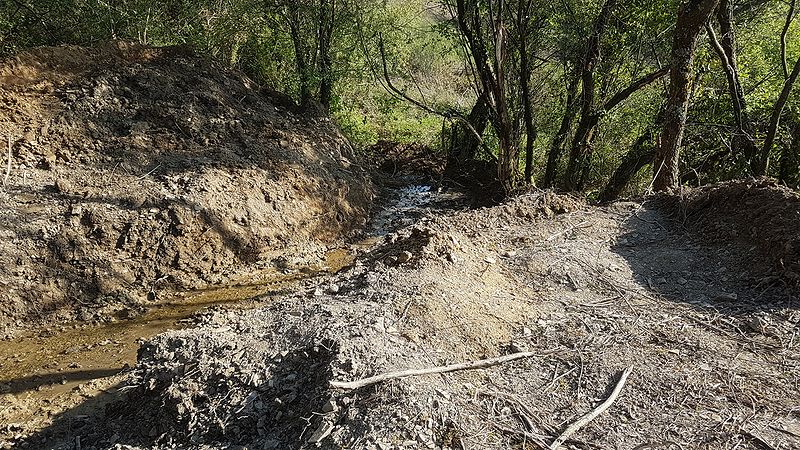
point(327, 24)
point(300, 54)
point(531, 133)
point(491, 72)
point(557, 146)
point(580, 145)
point(463, 141)
point(784, 32)
point(692, 16)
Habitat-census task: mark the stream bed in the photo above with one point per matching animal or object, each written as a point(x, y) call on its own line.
point(41, 365)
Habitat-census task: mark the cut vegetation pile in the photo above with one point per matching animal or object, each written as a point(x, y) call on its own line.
point(135, 170)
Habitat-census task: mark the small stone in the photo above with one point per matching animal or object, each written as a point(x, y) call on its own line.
point(518, 347)
point(489, 260)
point(404, 257)
point(446, 395)
point(726, 297)
point(329, 406)
point(322, 432)
point(681, 280)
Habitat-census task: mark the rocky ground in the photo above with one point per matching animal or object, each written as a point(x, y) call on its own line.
point(134, 171)
point(709, 328)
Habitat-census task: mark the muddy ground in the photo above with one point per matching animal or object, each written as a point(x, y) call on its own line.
point(137, 171)
point(708, 326)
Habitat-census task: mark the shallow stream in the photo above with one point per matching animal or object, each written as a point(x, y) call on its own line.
point(44, 363)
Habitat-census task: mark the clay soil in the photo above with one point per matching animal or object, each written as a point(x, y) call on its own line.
point(709, 328)
point(137, 171)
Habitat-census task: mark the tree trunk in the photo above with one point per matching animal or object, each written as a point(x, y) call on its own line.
point(464, 142)
point(580, 143)
point(640, 155)
point(692, 15)
point(557, 146)
point(491, 72)
point(742, 142)
point(300, 55)
point(327, 23)
point(525, 74)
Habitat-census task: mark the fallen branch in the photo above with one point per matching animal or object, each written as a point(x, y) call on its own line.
point(480, 364)
point(585, 419)
point(584, 224)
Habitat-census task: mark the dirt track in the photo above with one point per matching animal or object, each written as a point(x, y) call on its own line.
point(590, 290)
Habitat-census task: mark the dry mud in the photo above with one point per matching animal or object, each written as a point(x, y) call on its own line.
point(134, 171)
point(708, 328)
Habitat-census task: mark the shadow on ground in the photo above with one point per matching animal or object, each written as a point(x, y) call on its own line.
point(726, 279)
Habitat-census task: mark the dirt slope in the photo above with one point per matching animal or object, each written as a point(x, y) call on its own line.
point(137, 169)
point(590, 291)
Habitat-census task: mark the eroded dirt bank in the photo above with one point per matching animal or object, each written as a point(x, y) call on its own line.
point(138, 170)
point(710, 329)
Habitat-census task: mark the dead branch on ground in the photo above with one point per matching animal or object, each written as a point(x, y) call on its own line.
point(471, 365)
point(588, 417)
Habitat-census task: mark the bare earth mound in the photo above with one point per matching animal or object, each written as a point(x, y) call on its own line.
point(759, 215)
point(137, 169)
point(588, 291)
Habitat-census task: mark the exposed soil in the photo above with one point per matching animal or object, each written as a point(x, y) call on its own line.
point(710, 335)
point(759, 214)
point(136, 171)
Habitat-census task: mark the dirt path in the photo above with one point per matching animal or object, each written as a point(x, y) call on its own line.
point(590, 290)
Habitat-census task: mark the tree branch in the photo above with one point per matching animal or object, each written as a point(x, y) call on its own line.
point(623, 95)
point(789, 18)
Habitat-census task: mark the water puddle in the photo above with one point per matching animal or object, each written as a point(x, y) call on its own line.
point(409, 203)
point(57, 359)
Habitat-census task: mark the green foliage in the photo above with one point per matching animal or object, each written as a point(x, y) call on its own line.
point(426, 60)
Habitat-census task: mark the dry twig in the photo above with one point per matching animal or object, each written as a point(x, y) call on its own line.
point(586, 418)
point(8, 163)
point(480, 364)
point(584, 224)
